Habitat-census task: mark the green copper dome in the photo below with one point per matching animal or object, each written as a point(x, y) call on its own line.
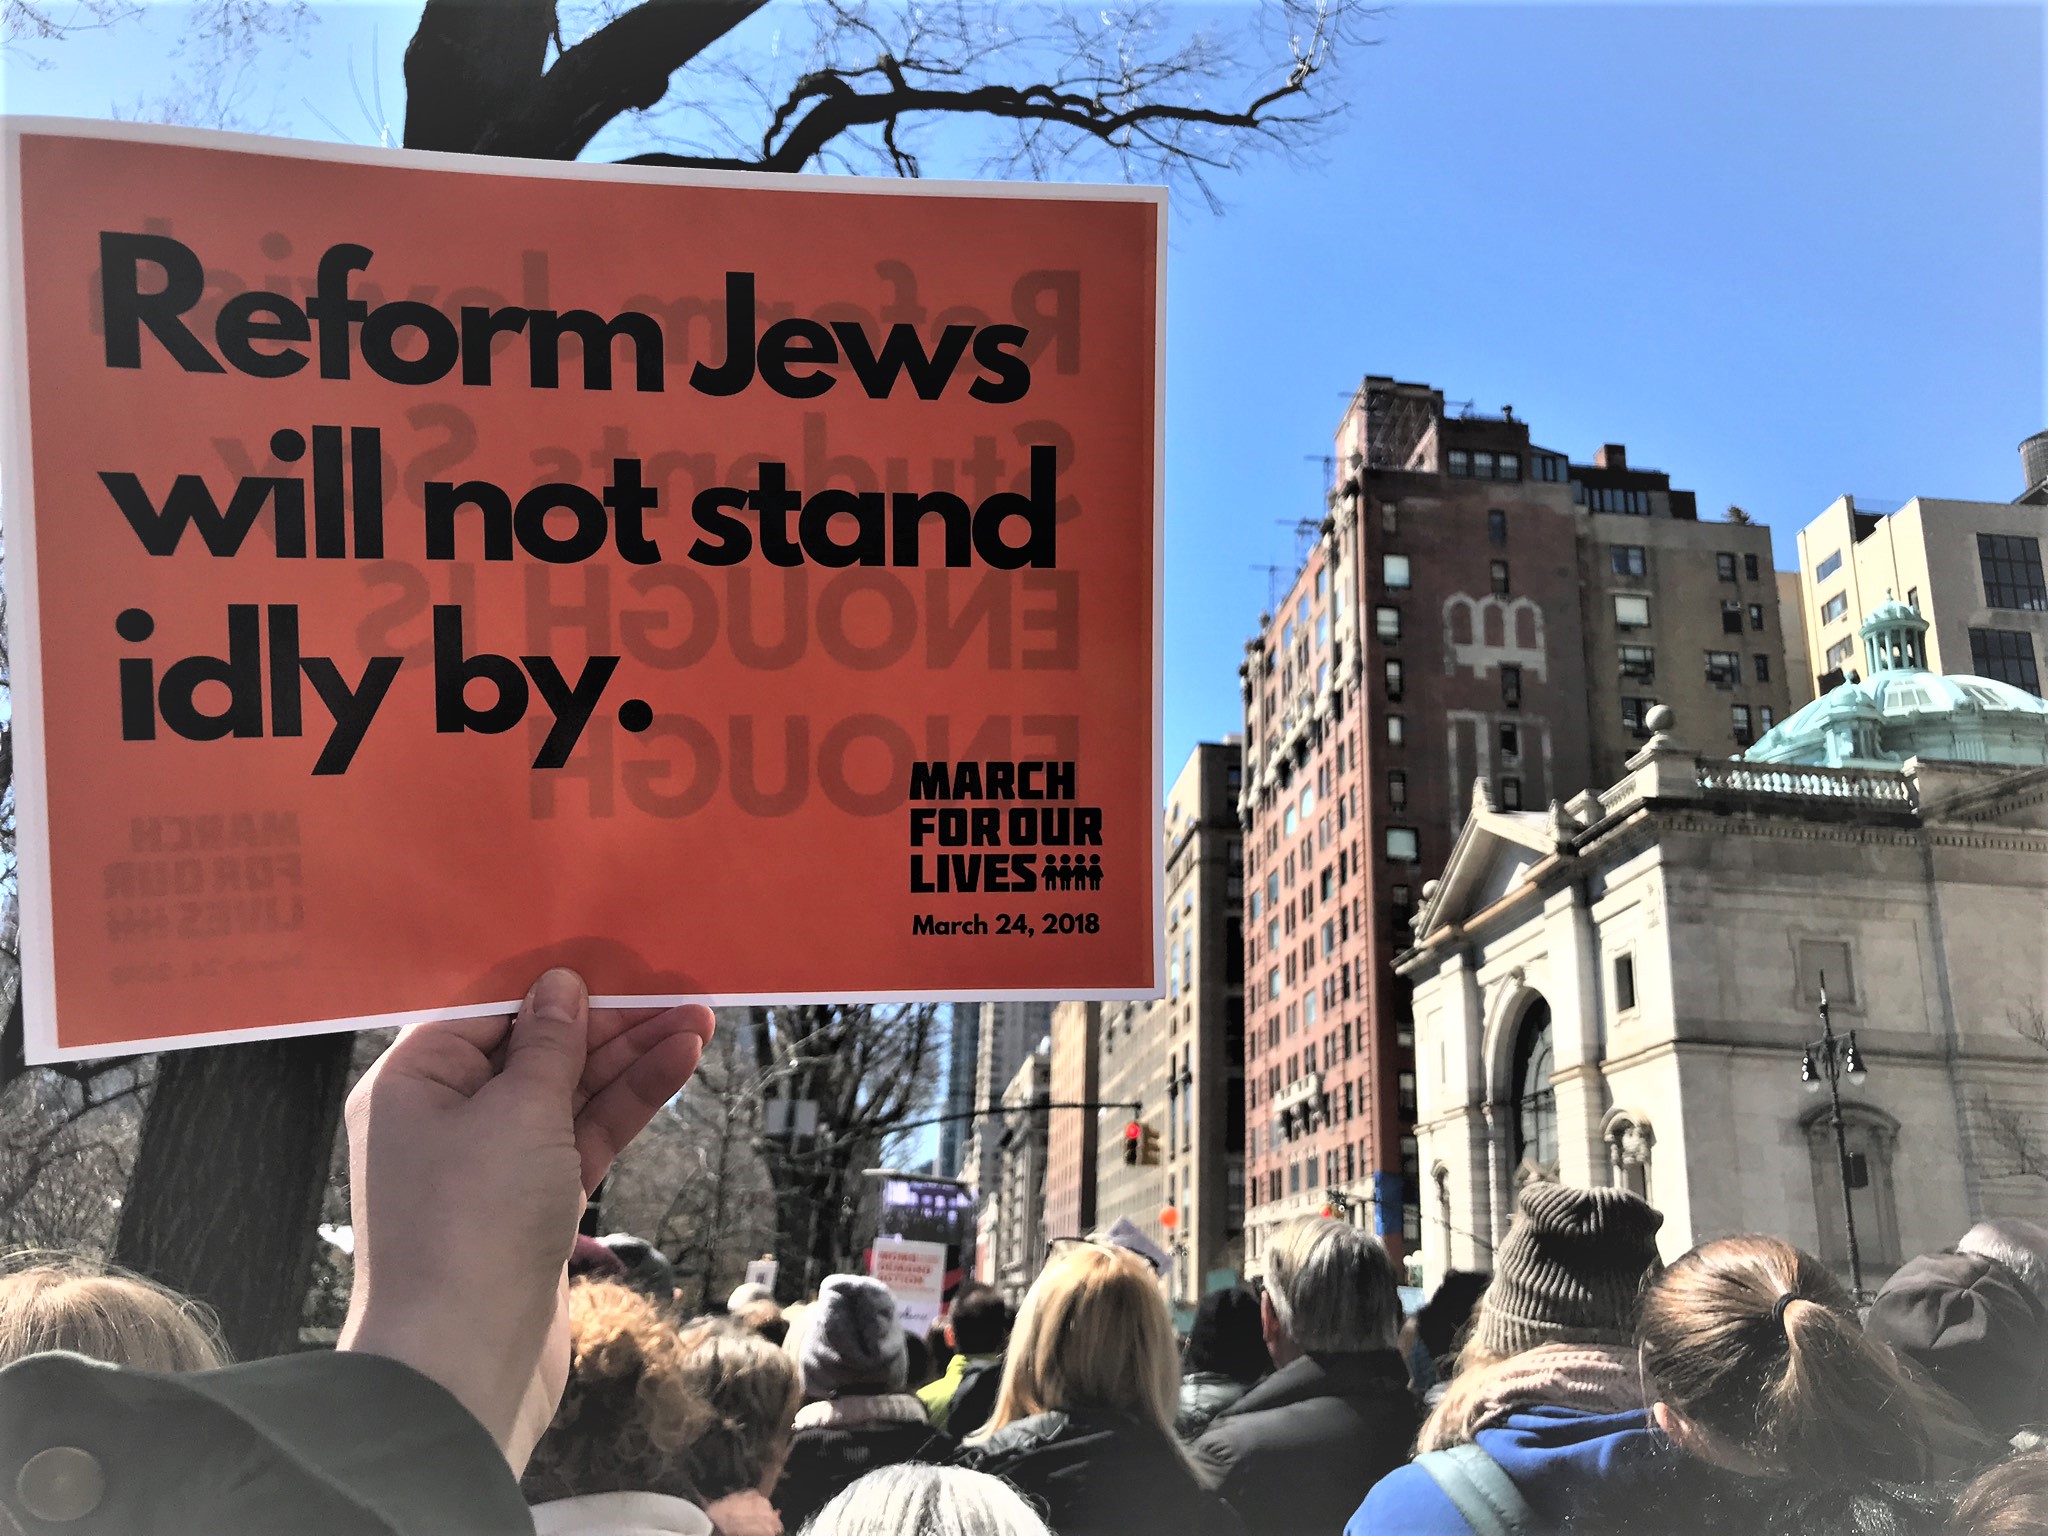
point(1902, 710)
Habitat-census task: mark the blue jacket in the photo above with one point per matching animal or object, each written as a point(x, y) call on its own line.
point(1579, 1471)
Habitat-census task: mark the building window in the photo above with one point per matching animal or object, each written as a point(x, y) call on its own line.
point(1403, 846)
point(1631, 611)
point(1724, 668)
point(1624, 983)
point(1913, 598)
point(2005, 656)
point(1394, 572)
point(1752, 568)
point(1397, 788)
point(1396, 677)
point(2012, 571)
point(1460, 463)
point(1535, 1100)
point(1826, 960)
point(1482, 464)
point(1766, 717)
point(1510, 741)
point(1511, 794)
point(1387, 621)
point(1499, 573)
point(1638, 662)
point(1511, 685)
point(1628, 559)
point(1507, 466)
point(1731, 617)
point(1756, 615)
point(1840, 652)
point(1871, 1137)
point(1834, 608)
point(1739, 713)
point(1397, 730)
point(1724, 566)
point(1497, 526)
point(1635, 714)
point(1828, 567)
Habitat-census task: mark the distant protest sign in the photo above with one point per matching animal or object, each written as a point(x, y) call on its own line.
point(424, 569)
point(915, 1274)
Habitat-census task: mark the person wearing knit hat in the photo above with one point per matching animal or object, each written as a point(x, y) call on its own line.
point(1548, 1388)
point(857, 1416)
point(1570, 1270)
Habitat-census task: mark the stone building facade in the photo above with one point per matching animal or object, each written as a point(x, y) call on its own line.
point(1620, 991)
point(1019, 1195)
point(1071, 1132)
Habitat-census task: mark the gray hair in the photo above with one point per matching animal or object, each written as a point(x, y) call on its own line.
point(1332, 1287)
point(2021, 1246)
point(915, 1500)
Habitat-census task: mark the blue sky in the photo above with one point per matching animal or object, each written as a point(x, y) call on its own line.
point(1781, 252)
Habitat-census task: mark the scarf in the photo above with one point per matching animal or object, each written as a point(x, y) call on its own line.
point(1592, 1378)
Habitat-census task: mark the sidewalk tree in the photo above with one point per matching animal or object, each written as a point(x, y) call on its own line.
point(227, 1185)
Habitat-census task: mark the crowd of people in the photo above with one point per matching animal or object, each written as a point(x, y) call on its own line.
point(510, 1376)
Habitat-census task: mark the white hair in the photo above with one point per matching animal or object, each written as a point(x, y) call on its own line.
point(1332, 1287)
point(915, 1500)
point(747, 1295)
point(2021, 1246)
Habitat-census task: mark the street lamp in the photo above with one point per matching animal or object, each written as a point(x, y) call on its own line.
point(1835, 1057)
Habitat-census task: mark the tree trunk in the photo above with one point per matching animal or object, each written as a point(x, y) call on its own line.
point(225, 1196)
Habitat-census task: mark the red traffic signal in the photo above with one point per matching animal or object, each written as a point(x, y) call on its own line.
point(1133, 1134)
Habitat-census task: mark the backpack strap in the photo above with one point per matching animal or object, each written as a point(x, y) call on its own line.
point(1481, 1491)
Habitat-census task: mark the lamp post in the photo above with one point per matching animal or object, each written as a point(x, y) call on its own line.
point(1835, 1057)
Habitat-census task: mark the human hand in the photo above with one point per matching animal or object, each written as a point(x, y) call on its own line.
point(746, 1513)
point(473, 1145)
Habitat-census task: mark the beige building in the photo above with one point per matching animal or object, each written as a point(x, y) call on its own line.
point(1019, 1197)
point(1181, 1059)
point(1680, 613)
point(1799, 671)
point(1972, 567)
point(1622, 990)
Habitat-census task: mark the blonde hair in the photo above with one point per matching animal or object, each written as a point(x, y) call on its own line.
point(750, 1387)
point(628, 1416)
point(1093, 1332)
point(68, 1302)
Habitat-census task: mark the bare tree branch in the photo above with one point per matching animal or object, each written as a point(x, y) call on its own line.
point(623, 67)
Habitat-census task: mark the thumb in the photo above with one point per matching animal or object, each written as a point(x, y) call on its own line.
point(550, 1038)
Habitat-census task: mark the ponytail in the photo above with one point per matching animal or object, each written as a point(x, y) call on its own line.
point(1755, 1342)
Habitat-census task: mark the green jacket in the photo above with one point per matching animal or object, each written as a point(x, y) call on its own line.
point(937, 1396)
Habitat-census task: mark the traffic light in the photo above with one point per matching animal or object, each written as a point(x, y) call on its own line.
point(1148, 1147)
point(1134, 1134)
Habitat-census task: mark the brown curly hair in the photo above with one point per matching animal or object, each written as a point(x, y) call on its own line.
point(629, 1416)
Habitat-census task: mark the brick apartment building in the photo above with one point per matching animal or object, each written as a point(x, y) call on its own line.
point(1476, 608)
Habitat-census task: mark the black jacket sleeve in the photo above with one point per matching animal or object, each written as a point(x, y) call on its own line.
point(305, 1445)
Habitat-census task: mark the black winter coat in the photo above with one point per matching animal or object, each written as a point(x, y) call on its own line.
point(1298, 1452)
point(1102, 1475)
point(825, 1458)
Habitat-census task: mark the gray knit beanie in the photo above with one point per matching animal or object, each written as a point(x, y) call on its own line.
point(852, 1344)
point(1570, 1270)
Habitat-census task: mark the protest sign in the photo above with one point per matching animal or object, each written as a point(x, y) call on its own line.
point(761, 1272)
point(916, 1276)
point(423, 569)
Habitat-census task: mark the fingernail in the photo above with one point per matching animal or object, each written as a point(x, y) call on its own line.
point(558, 994)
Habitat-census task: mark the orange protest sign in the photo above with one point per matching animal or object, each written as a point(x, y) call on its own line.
point(426, 569)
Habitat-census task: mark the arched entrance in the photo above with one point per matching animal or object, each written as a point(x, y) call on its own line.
point(1535, 1101)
